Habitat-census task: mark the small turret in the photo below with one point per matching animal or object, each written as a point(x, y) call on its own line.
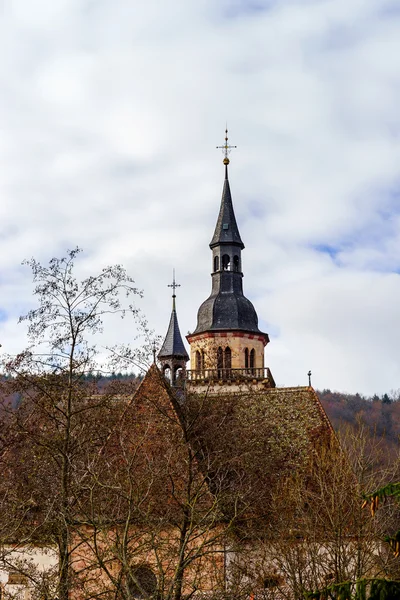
point(173, 356)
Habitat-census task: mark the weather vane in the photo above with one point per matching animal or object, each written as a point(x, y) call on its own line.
point(174, 285)
point(226, 148)
point(309, 378)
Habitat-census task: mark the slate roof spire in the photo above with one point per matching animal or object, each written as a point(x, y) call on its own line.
point(227, 308)
point(173, 347)
point(226, 229)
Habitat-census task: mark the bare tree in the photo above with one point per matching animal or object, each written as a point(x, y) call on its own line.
point(60, 413)
point(321, 536)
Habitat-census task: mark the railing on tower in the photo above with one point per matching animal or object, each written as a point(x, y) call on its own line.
point(229, 374)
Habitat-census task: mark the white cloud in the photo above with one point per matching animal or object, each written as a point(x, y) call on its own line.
point(109, 115)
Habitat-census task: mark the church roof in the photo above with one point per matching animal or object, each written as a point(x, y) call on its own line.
point(227, 311)
point(258, 438)
point(245, 443)
point(173, 344)
point(226, 229)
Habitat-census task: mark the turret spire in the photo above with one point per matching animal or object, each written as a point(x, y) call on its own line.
point(173, 355)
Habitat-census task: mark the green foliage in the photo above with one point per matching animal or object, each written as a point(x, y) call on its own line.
point(364, 589)
point(367, 589)
point(392, 490)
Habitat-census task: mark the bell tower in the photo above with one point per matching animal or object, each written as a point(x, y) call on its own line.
point(173, 356)
point(227, 343)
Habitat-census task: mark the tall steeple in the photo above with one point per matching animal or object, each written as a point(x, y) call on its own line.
point(227, 308)
point(173, 356)
point(227, 337)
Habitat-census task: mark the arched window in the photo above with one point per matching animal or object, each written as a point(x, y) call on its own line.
point(178, 373)
point(226, 262)
point(272, 581)
point(236, 263)
point(167, 372)
point(142, 582)
point(246, 358)
point(216, 263)
point(227, 358)
point(203, 359)
point(252, 359)
point(198, 360)
point(220, 358)
point(224, 362)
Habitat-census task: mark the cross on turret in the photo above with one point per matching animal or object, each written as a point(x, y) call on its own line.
point(226, 148)
point(174, 285)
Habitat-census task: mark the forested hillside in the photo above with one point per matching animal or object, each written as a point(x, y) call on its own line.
point(380, 415)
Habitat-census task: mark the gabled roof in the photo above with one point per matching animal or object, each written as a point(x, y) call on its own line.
point(257, 439)
point(244, 444)
point(173, 344)
point(226, 229)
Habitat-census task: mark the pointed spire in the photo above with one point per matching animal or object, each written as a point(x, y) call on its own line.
point(173, 346)
point(226, 229)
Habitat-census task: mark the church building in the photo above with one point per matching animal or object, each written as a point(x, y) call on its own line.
point(199, 486)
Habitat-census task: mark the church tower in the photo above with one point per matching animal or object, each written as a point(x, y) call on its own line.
point(173, 356)
point(227, 343)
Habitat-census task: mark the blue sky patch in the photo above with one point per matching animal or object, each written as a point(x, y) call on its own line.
point(256, 209)
point(241, 8)
point(332, 251)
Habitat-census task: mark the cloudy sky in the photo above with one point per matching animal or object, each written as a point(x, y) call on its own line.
point(110, 111)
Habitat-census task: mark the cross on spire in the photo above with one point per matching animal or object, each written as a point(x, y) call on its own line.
point(226, 148)
point(154, 351)
point(174, 285)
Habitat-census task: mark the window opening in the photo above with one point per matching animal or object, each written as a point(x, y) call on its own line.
point(220, 362)
point(216, 263)
point(252, 359)
point(226, 262)
point(246, 358)
point(236, 263)
point(167, 372)
point(228, 358)
point(178, 372)
point(142, 583)
point(15, 578)
point(271, 581)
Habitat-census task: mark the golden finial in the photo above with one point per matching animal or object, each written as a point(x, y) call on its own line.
point(226, 149)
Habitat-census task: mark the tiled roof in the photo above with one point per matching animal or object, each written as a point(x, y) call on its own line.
point(226, 229)
point(173, 343)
